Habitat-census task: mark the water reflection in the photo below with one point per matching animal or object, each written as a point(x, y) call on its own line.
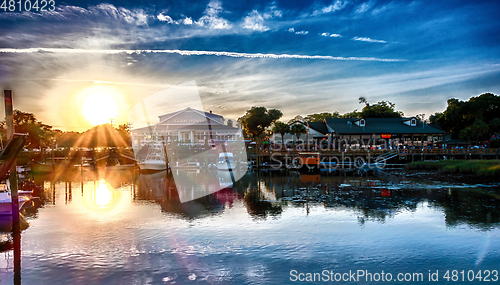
point(190, 199)
point(112, 227)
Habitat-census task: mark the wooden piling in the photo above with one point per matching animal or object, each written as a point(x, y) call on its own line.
point(9, 119)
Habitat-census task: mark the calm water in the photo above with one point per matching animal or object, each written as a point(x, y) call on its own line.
point(119, 228)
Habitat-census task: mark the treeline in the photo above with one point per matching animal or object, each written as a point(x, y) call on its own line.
point(476, 120)
point(41, 135)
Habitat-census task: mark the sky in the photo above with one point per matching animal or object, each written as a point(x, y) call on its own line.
point(301, 57)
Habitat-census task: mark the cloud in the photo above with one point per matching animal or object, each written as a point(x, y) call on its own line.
point(195, 52)
point(164, 18)
point(137, 17)
point(212, 19)
point(292, 30)
point(255, 20)
point(364, 39)
point(186, 21)
point(330, 35)
point(335, 6)
point(364, 7)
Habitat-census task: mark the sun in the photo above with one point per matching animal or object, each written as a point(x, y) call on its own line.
point(100, 105)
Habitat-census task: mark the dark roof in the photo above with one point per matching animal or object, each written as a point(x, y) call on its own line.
point(318, 126)
point(379, 126)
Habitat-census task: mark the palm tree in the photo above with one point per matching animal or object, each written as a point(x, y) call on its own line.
point(282, 129)
point(297, 130)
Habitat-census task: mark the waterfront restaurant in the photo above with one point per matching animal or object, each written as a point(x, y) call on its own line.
point(407, 132)
point(188, 126)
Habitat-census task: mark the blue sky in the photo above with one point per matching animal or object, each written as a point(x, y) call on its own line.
point(301, 57)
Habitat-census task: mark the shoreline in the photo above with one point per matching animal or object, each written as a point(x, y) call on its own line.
point(435, 175)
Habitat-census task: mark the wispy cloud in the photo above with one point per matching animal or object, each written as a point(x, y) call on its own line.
point(196, 52)
point(137, 17)
point(364, 7)
point(335, 6)
point(212, 18)
point(365, 39)
point(255, 20)
point(330, 35)
point(292, 30)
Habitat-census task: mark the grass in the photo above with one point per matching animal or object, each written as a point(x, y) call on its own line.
point(478, 167)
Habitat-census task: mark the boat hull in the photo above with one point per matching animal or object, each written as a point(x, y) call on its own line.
point(226, 166)
point(153, 166)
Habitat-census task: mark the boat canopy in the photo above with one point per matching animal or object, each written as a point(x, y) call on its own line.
point(225, 156)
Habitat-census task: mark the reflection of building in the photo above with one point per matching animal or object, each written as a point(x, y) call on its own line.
point(188, 126)
point(404, 130)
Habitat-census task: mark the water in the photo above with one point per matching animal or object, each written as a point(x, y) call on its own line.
point(119, 228)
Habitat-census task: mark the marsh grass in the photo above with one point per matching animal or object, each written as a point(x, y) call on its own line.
point(479, 167)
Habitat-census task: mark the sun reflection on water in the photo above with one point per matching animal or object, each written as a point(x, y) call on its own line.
point(102, 194)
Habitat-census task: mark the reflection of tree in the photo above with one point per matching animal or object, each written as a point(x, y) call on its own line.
point(260, 208)
point(475, 208)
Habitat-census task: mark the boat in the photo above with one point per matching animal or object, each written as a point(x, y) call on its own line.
point(226, 161)
point(6, 200)
point(155, 159)
point(42, 167)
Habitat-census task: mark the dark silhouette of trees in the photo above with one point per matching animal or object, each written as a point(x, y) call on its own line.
point(282, 129)
point(383, 109)
point(319, 117)
point(258, 119)
point(297, 130)
point(475, 119)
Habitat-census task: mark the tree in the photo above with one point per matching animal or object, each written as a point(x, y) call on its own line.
point(320, 117)
point(495, 125)
point(257, 119)
point(297, 130)
point(433, 119)
point(383, 109)
point(124, 133)
point(476, 132)
point(297, 118)
point(460, 115)
point(39, 134)
point(282, 129)
point(353, 114)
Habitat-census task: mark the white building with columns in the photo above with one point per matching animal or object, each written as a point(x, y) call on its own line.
point(188, 126)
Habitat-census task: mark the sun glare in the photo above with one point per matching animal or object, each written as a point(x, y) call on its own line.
point(99, 104)
point(103, 194)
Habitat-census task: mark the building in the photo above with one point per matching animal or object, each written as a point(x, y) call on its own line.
point(188, 126)
point(374, 131)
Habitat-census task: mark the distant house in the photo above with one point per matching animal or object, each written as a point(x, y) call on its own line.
point(188, 126)
point(406, 131)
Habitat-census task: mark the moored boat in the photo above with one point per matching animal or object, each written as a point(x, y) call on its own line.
point(226, 161)
point(155, 159)
point(6, 200)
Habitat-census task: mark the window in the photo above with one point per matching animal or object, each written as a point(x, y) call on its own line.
point(362, 122)
point(413, 122)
